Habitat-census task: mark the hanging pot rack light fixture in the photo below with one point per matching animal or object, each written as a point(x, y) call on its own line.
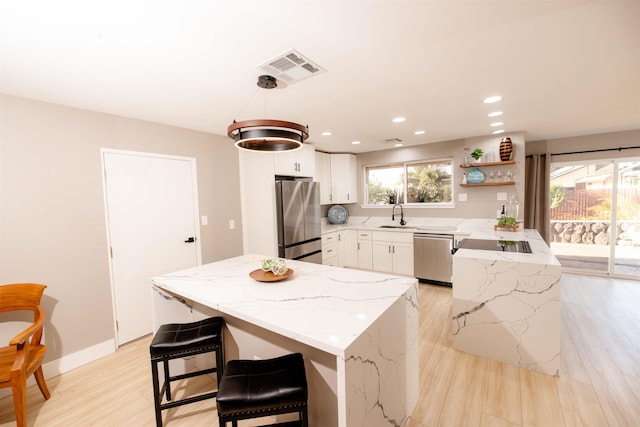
point(267, 134)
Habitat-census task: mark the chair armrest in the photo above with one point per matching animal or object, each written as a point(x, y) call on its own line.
point(27, 333)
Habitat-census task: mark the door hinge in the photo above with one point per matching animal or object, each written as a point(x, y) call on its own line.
point(111, 251)
point(117, 327)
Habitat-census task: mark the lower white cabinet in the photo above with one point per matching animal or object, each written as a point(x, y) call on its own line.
point(347, 248)
point(385, 251)
point(330, 248)
point(393, 252)
point(365, 259)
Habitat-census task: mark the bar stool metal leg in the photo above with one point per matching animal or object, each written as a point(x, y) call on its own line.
point(176, 341)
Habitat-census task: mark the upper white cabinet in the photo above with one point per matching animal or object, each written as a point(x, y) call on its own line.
point(344, 177)
point(338, 178)
point(323, 176)
point(301, 162)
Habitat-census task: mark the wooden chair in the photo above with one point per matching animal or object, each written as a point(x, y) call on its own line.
point(24, 354)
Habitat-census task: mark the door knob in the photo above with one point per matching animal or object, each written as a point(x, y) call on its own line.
point(190, 240)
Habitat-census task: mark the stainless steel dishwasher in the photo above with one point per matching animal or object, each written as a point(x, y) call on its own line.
point(432, 257)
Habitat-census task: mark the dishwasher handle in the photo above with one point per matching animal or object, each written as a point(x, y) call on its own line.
point(433, 236)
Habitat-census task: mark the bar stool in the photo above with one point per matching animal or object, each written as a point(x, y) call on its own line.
point(258, 388)
point(180, 340)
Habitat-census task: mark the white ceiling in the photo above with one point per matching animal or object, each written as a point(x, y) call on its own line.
point(564, 68)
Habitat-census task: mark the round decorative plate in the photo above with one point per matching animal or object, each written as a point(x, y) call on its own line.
point(266, 276)
point(338, 214)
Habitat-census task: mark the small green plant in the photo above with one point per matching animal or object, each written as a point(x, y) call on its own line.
point(477, 153)
point(508, 221)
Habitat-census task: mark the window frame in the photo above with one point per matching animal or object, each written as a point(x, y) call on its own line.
point(405, 165)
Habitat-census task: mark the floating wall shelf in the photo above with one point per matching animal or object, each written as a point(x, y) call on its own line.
point(479, 165)
point(488, 184)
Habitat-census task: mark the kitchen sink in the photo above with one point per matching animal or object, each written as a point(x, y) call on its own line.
point(397, 226)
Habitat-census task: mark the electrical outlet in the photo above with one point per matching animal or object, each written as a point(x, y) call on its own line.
point(502, 196)
point(232, 223)
point(462, 197)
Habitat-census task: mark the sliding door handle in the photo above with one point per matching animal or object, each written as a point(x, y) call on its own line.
point(190, 240)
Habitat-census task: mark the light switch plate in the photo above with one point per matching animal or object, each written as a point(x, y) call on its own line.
point(462, 197)
point(502, 196)
point(204, 220)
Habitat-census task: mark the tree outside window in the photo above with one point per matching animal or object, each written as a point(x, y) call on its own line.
point(427, 182)
point(385, 184)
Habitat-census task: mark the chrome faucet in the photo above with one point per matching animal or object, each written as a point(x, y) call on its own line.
point(393, 214)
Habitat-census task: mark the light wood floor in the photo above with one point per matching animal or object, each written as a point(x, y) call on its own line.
point(599, 382)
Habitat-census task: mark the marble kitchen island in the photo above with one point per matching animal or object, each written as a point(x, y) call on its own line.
point(358, 331)
point(506, 306)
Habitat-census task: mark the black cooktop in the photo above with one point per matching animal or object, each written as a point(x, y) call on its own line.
point(521, 246)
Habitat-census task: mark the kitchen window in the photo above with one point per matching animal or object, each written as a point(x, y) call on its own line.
point(427, 183)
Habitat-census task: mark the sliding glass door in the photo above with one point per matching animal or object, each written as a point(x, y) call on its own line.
point(626, 256)
point(595, 216)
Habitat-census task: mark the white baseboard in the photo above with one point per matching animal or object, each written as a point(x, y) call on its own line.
point(70, 362)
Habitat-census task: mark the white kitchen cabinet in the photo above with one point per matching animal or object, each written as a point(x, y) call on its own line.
point(344, 178)
point(347, 248)
point(323, 176)
point(365, 258)
point(301, 162)
point(330, 248)
point(393, 252)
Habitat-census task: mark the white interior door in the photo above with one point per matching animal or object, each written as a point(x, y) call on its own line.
point(152, 213)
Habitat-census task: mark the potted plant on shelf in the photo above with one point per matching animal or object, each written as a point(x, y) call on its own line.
point(477, 154)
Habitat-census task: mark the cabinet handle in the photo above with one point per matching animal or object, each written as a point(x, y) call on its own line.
point(358, 245)
point(339, 238)
point(389, 248)
point(394, 249)
point(348, 196)
point(330, 250)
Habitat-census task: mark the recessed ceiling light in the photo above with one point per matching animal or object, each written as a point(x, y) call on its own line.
point(492, 99)
point(355, 142)
point(397, 145)
point(326, 134)
point(495, 132)
point(419, 132)
point(399, 120)
point(495, 114)
point(494, 124)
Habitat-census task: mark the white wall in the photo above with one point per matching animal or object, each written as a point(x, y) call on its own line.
point(52, 220)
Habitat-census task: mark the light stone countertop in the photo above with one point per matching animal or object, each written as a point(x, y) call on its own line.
point(322, 306)
point(473, 228)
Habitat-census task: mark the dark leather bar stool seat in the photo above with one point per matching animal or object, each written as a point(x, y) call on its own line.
point(259, 388)
point(180, 340)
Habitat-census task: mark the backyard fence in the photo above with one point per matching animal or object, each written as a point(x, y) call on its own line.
point(595, 204)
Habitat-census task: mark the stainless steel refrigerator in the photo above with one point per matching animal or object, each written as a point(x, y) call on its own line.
point(298, 214)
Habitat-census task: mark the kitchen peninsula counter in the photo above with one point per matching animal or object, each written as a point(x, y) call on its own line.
point(358, 331)
point(506, 306)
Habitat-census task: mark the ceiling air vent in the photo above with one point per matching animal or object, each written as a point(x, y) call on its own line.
point(393, 141)
point(291, 67)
